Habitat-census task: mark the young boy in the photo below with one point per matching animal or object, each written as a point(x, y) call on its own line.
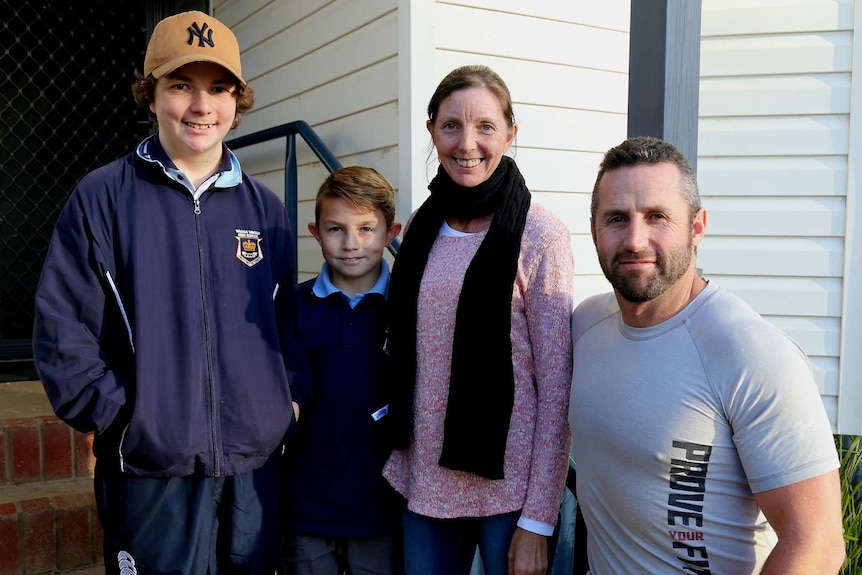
point(340, 514)
point(156, 327)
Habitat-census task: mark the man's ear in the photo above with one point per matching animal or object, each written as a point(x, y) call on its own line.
point(698, 226)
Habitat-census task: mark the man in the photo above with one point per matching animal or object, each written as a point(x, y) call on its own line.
point(701, 442)
point(156, 327)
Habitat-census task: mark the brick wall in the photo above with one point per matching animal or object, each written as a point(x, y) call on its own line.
point(39, 449)
point(48, 520)
point(49, 534)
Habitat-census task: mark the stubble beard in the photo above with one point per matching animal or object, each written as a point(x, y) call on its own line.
point(640, 286)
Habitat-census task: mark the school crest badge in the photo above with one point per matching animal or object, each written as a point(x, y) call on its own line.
point(248, 248)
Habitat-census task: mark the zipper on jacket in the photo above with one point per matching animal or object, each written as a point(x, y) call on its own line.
point(208, 344)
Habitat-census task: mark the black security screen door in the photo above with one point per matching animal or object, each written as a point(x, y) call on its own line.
point(65, 108)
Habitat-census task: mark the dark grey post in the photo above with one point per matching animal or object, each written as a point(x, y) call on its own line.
point(664, 72)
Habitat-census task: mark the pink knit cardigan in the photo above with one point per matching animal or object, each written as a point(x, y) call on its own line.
point(538, 443)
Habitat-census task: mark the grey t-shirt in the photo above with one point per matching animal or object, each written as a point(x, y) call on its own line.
point(675, 425)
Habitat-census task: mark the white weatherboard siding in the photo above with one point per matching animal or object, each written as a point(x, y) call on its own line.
point(332, 64)
point(566, 65)
point(775, 166)
point(778, 140)
point(360, 72)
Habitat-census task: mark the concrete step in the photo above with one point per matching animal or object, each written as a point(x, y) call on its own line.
point(23, 399)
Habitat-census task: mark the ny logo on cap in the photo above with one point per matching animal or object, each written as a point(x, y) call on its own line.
point(196, 31)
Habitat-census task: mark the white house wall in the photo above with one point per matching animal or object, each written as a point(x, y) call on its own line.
point(773, 162)
point(566, 65)
point(332, 64)
point(777, 156)
point(360, 72)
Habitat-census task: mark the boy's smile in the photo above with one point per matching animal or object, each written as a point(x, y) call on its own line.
point(352, 242)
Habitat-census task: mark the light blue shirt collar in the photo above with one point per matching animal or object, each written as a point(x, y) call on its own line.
point(324, 287)
point(228, 176)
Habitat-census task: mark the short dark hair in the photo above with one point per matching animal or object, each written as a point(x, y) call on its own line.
point(649, 150)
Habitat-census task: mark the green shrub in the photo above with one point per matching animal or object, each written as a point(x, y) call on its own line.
point(850, 454)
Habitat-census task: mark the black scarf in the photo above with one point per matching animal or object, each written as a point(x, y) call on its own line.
point(482, 384)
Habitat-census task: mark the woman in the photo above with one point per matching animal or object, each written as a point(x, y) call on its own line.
point(480, 348)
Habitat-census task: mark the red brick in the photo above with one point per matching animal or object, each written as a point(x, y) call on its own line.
point(4, 477)
point(26, 460)
point(40, 540)
point(10, 546)
point(75, 530)
point(57, 437)
point(18, 421)
point(85, 462)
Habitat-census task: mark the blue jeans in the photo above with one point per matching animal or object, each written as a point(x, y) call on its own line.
point(447, 546)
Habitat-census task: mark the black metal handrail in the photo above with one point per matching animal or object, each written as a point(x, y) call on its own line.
point(291, 191)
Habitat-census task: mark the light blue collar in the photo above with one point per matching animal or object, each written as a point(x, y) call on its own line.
point(323, 286)
point(229, 175)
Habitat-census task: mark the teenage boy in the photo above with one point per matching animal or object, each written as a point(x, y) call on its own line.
point(156, 326)
point(340, 514)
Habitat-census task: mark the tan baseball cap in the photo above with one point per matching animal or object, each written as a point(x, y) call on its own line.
point(191, 37)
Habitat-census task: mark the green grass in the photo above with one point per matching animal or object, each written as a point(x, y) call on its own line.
point(850, 454)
